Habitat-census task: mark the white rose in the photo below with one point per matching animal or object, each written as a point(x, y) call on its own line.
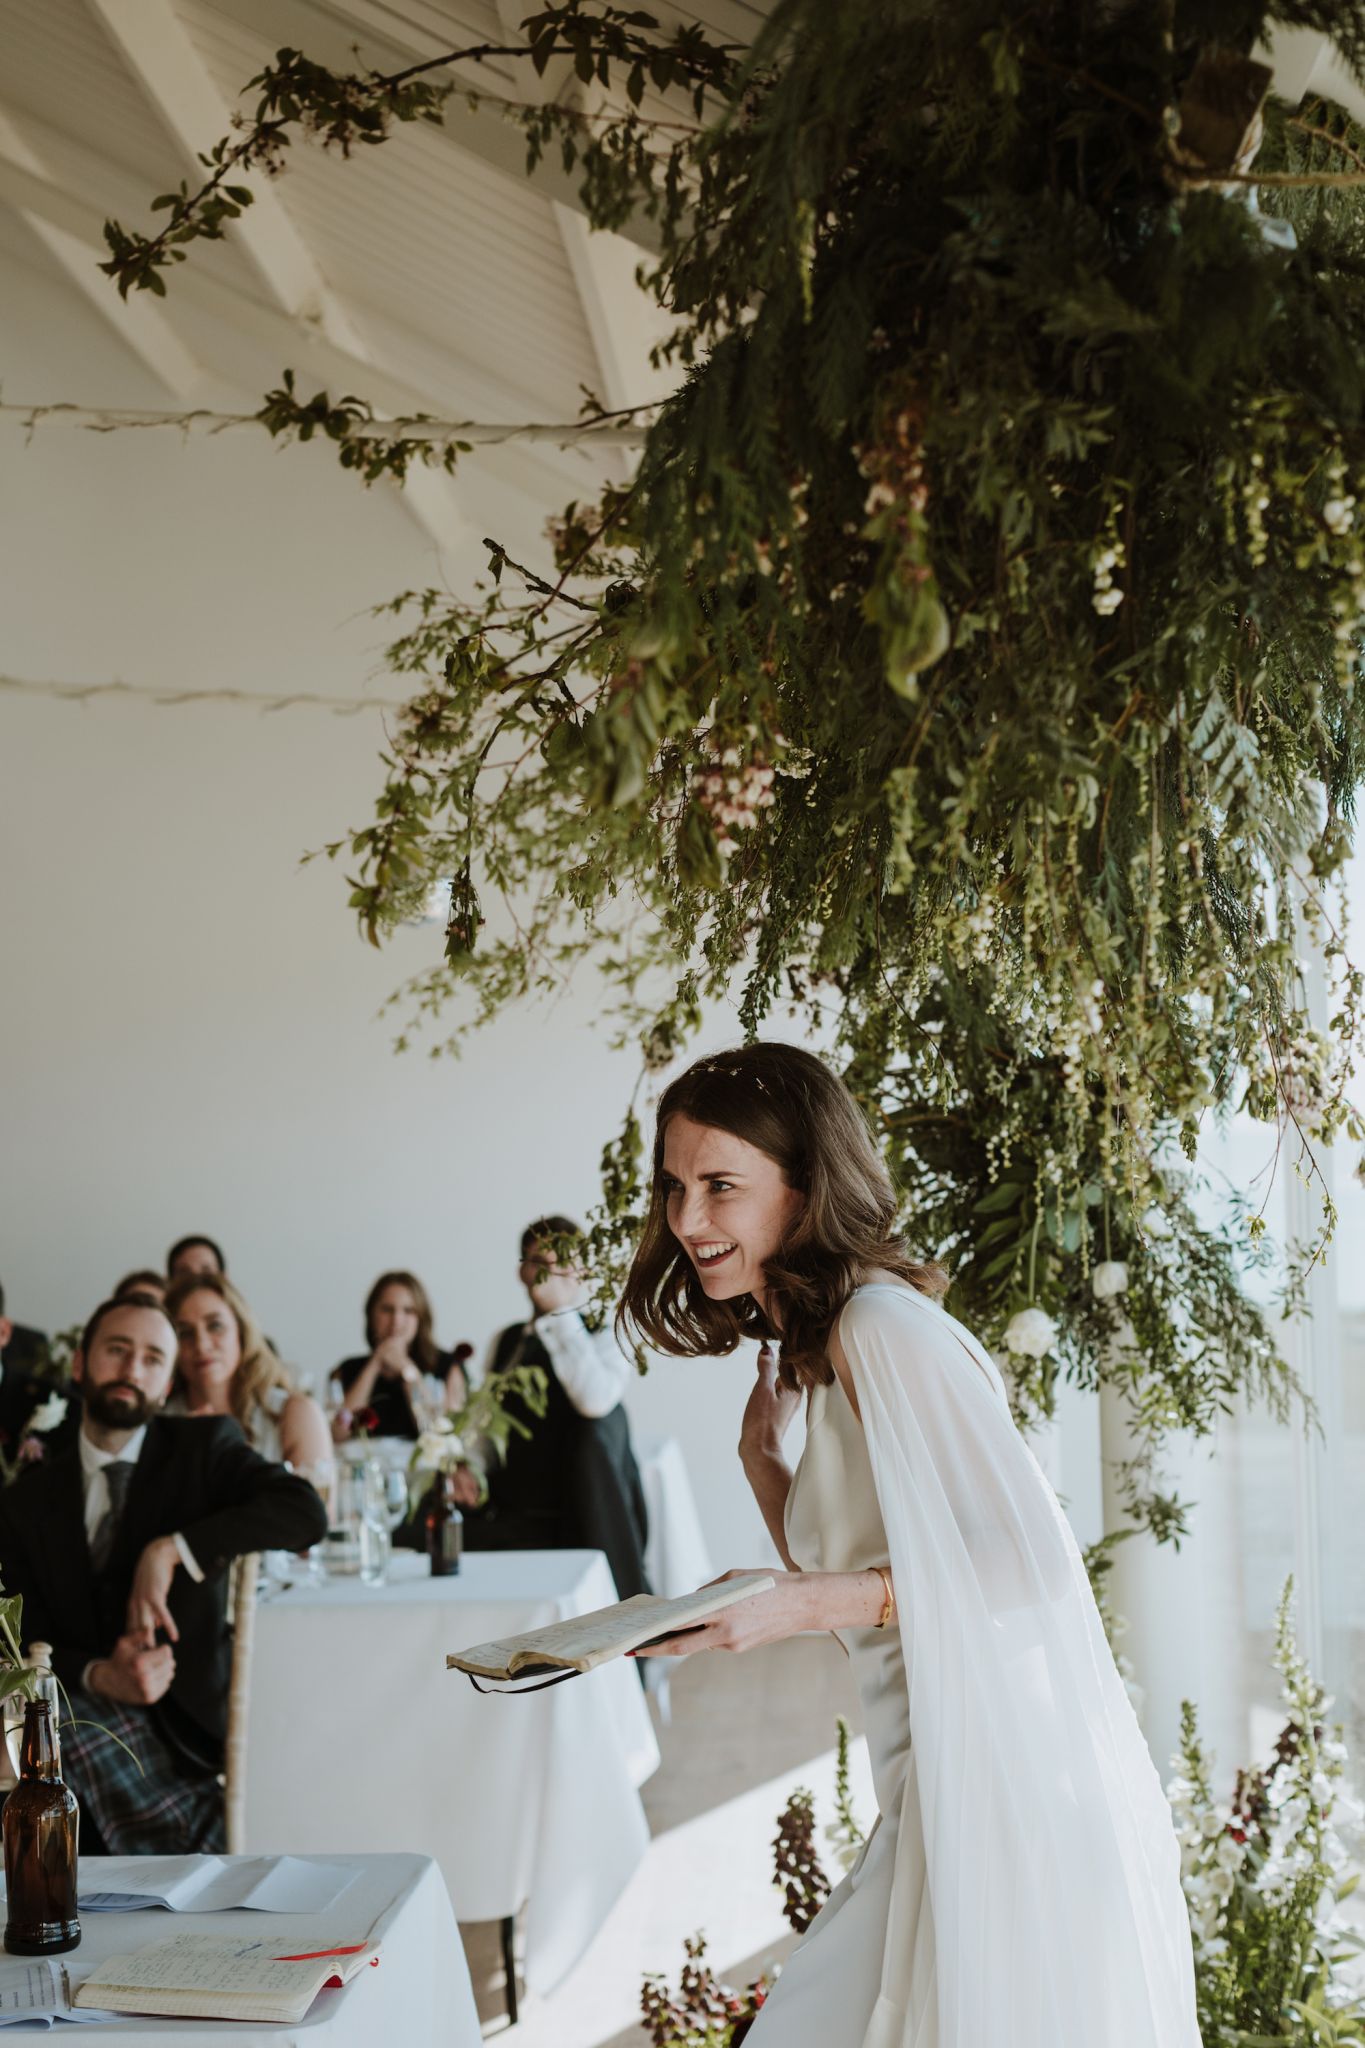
point(1031, 1333)
point(437, 1449)
point(1109, 1278)
point(49, 1413)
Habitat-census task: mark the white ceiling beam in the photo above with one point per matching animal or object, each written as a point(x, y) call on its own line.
point(143, 328)
point(330, 37)
point(1304, 60)
point(625, 321)
point(157, 45)
point(159, 50)
point(540, 473)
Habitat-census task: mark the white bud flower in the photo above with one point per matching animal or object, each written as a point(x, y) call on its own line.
point(1031, 1333)
point(48, 1413)
point(1109, 1278)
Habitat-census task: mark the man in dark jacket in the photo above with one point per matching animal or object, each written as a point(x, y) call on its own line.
point(120, 1547)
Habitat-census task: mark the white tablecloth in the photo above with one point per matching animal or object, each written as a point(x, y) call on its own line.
point(676, 1558)
point(361, 1739)
point(418, 1996)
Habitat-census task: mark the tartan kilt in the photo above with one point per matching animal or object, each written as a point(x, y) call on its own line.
point(149, 1803)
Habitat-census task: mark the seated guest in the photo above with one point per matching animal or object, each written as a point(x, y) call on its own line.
point(403, 1368)
point(144, 1281)
point(573, 1483)
point(224, 1366)
point(120, 1548)
point(27, 1385)
point(194, 1255)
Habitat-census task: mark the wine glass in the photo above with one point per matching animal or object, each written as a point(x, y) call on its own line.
point(395, 1485)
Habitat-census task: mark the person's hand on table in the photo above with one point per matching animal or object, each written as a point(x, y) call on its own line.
point(148, 1608)
point(764, 1618)
point(137, 1672)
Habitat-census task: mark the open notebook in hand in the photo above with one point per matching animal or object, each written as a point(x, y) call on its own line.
point(587, 1640)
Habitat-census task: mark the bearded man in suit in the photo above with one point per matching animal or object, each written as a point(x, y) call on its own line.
point(120, 1546)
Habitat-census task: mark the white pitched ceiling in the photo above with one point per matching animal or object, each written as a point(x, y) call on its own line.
point(429, 275)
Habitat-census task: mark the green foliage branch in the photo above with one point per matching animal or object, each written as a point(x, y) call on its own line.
point(972, 662)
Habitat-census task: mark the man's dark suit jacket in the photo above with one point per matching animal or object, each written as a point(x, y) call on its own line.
point(197, 1477)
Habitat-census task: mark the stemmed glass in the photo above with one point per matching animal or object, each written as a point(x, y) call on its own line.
point(395, 1496)
point(375, 1522)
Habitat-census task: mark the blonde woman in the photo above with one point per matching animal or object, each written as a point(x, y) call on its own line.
point(225, 1367)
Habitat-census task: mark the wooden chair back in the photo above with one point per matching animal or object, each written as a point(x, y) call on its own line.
point(242, 1612)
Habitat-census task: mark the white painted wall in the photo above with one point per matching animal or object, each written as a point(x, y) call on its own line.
point(189, 1036)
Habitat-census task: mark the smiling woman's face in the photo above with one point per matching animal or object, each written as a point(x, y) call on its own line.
point(728, 1205)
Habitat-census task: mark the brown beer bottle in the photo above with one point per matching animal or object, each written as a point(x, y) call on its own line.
point(40, 1846)
point(444, 1527)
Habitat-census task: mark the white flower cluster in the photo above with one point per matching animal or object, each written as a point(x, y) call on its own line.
point(47, 1414)
point(1291, 1826)
point(1255, 505)
point(438, 1449)
point(1108, 1279)
point(1339, 513)
point(1107, 596)
point(1030, 1334)
point(734, 791)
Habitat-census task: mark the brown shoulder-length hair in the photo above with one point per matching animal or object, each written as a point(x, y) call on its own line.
point(423, 1351)
point(788, 1104)
point(259, 1370)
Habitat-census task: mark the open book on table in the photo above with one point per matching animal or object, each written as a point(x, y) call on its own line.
point(221, 1977)
point(581, 1644)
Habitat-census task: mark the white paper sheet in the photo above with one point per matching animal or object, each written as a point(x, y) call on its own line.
point(36, 1988)
point(218, 1884)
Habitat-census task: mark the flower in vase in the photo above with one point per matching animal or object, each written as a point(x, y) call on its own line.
point(1109, 1278)
point(1031, 1333)
point(438, 1449)
point(365, 1422)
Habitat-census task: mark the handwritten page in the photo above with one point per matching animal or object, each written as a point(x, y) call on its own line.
point(219, 1976)
point(219, 1884)
point(587, 1640)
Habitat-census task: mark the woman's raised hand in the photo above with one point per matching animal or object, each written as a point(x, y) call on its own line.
point(769, 1410)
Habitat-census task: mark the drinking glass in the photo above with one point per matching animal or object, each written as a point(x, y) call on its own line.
point(373, 1530)
point(395, 1483)
point(322, 1477)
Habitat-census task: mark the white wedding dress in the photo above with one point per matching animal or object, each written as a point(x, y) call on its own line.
point(1021, 1888)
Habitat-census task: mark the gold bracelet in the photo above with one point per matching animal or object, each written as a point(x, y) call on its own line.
point(884, 1574)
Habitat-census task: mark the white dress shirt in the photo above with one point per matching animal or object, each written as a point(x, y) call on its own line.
point(589, 1364)
point(93, 1463)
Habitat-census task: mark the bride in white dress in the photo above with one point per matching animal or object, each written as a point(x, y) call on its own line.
point(1021, 1888)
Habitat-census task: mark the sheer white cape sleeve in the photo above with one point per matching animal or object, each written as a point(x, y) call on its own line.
point(1050, 1869)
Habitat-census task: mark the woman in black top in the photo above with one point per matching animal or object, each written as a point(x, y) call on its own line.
point(389, 1383)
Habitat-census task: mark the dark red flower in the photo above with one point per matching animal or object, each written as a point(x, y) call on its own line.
point(366, 1422)
point(462, 1352)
